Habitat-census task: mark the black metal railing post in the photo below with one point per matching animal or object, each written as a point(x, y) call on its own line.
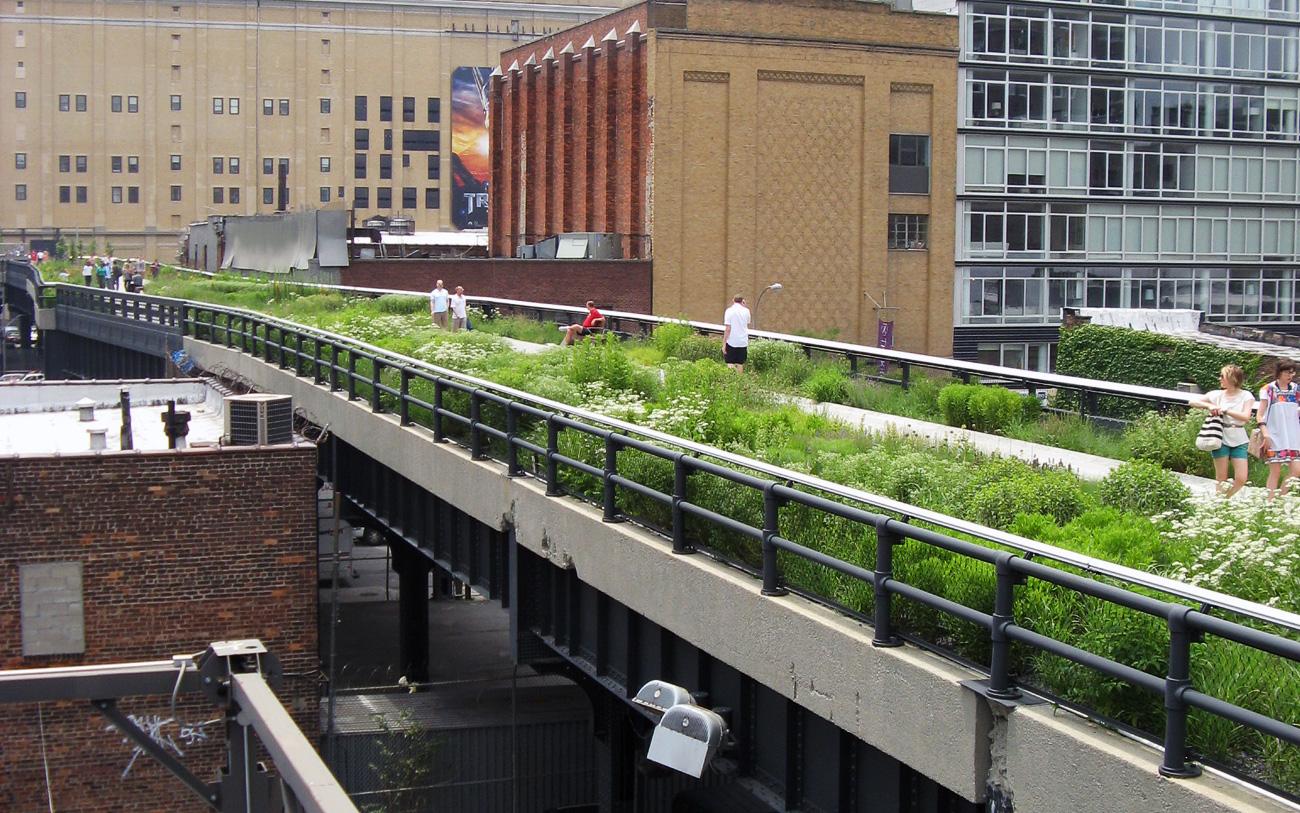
point(475, 435)
point(513, 468)
point(297, 353)
point(886, 539)
point(552, 465)
point(771, 527)
point(316, 376)
point(1175, 762)
point(404, 405)
point(376, 367)
point(438, 436)
point(185, 320)
point(352, 375)
point(905, 374)
point(334, 367)
point(1003, 616)
point(609, 494)
point(680, 475)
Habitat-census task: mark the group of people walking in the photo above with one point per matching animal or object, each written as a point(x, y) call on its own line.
point(1277, 415)
point(118, 275)
point(448, 309)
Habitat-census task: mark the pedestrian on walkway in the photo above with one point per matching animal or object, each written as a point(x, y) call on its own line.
point(458, 310)
point(1279, 423)
point(87, 272)
point(438, 301)
point(595, 320)
point(1235, 406)
point(735, 334)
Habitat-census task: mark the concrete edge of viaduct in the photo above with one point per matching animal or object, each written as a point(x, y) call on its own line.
point(906, 702)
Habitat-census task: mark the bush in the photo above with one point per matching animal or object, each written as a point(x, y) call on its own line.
point(1169, 441)
point(985, 409)
point(1054, 494)
point(402, 303)
point(669, 335)
point(693, 348)
point(827, 384)
point(602, 359)
point(1143, 488)
point(767, 356)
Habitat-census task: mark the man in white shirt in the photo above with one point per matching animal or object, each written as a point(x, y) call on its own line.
point(88, 272)
point(458, 309)
point(438, 304)
point(735, 334)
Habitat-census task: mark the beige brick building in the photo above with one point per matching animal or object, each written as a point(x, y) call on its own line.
point(125, 121)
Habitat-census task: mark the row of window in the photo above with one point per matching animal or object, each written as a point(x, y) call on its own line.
point(909, 232)
point(1056, 36)
point(1027, 295)
point(1268, 9)
point(384, 197)
point(117, 194)
point(1130, 105)
point(222, 165)
point(1129, 232)
point(360, 163)
point(1076, 166)
point(432, 109)
point(412, 140)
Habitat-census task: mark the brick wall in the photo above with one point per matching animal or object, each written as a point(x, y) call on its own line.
point(616, 284)
point(177, 550)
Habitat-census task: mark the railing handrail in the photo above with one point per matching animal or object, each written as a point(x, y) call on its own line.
point(1100, 567)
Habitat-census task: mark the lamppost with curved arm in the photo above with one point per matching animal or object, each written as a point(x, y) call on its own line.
point(775, 287)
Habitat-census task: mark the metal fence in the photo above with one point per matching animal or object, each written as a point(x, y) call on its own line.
point(527, 435)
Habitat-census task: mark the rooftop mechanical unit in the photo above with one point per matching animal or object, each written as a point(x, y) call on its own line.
point(258, 419)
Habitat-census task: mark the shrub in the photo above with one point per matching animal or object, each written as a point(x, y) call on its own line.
point(401, 303)
point(1052, 493)
point(985, 409)
point(602, 359)
point(767, 356)
point(1169, 441)
point(693, 348)
point(1143, 488)
point(669, 335)
point(827, 384)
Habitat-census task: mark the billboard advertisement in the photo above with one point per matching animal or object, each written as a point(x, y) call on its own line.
point(469, 147)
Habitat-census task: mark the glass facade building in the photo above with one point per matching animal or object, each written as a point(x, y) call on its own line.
point(1143, 154)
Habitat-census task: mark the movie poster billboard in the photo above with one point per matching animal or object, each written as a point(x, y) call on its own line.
point(469, 147)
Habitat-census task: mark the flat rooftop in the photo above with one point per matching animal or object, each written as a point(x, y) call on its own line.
point(43, 418)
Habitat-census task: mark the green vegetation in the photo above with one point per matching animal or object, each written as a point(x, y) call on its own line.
point(675, 382)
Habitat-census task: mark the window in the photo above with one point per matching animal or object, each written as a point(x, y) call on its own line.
point(431, 198)
point(233, 165)
point(420, 140)
point(81, 194)
point(325, 107)
point(324, 135)
point(359, 108)
point(342, 193)
point(176, 133)
point(20, 99)
point(384, 197)
point(406, 161)
point(385, 108)
point(434, 167)
point(175, 103)
point(324, 163)
point(20, 191)
point(435, 110)
point(233, 105)
point(362, 138)
point(65, 163)
point(133, 164)
point(176, 42)
point(20, 39)
point(268, 107)
point(284, 166)
point(218, 166)
point(325, 47)
point(65, 194)
point(133, 194)
point(20, 6)
point(361, 197)
point(82, 163)
point(388, 139)
point(115, 104)
point(359, 165)
point(65, 103)
point(234, 194)
point(80, 100)
point(218, 105)
point(908, 232)
point(20, 160)
point(324, 194)
point(20, 70)
point(284, 107)
point(324, 76)
point(909, 164)
point(176, 73)
point(115, 163)
point(115, 194)
point(408, 108)
point(176, 163)
point(385, 167)
point(408, 197)
point(268, 195)
point(218, 194)
point(176, 193)
point(132, 104)
point(268, 166)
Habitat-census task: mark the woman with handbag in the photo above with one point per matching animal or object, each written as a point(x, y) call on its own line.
point(1230, 408)
point(1279, 424)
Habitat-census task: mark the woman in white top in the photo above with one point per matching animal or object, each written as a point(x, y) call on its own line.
point(1279, 422)
point(1235, 406)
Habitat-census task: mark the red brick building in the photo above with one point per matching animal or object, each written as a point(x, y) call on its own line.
point(169, 551)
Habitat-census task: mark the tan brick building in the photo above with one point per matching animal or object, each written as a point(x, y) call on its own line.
point(741, 143)
point(123, 122)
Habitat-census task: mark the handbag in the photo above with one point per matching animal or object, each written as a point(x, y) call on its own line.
point(1257, 445)
point(1210, 437)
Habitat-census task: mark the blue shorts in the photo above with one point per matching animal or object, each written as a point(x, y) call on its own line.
point(1231, 452)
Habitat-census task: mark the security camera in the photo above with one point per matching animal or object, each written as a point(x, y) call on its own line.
point(686, 736)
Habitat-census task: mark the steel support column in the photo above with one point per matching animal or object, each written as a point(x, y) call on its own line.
point(413, 611)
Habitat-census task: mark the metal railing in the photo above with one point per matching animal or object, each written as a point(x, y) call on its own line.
point(420, 393)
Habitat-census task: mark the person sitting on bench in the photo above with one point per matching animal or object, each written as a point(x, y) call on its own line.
point(594, 323)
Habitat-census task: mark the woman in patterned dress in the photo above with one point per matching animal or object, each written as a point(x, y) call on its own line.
point(1279, 422)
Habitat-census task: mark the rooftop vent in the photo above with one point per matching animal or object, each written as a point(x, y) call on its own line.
point(86, 409)
point(259, 419)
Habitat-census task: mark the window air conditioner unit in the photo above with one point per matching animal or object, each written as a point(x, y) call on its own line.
point(258, 419)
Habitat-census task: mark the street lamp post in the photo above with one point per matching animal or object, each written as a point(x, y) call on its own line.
point(775, 287)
